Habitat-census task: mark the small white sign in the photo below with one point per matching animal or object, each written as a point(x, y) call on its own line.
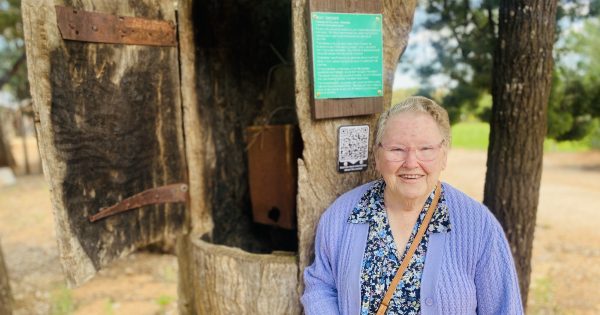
point(353, 148)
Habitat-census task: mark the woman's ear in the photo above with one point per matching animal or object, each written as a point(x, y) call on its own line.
point(444, 158)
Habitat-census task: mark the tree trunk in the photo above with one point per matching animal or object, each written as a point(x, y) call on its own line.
point(319, 183)
point(5, 295)
point(6, 157)
point(521, 86)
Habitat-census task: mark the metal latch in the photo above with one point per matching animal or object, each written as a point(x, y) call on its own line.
point(86, 26)
point(164, 194)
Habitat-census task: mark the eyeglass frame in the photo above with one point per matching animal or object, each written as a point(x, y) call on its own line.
point(408, 149)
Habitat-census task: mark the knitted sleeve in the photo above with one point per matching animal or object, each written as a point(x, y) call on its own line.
point(320, 293)
point(496, 278)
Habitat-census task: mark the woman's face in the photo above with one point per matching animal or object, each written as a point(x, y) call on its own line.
point(411, 156)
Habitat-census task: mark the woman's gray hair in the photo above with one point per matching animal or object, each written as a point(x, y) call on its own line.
point(416, 104)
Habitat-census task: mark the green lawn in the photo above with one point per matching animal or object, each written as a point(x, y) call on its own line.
point(470, 135)
point(475, 135)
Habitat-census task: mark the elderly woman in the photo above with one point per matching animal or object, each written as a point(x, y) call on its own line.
point(407, 244)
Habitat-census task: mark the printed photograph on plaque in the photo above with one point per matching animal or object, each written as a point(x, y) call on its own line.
point(347, 51)
point(353, 148)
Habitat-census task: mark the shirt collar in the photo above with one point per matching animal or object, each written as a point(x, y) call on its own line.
point(371, 204)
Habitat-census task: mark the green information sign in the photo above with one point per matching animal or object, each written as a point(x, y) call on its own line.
point(347, 55)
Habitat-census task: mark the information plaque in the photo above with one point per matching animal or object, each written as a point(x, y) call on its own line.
point(347, 51)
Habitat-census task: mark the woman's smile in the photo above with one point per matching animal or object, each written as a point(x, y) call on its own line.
point(411, 177)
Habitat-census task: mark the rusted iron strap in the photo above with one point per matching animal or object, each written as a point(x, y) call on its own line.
point(169, 193)
point(97, 27)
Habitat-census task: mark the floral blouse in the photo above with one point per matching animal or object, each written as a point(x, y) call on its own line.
point(380, 261)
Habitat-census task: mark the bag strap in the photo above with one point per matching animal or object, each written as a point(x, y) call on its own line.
point(407, 258)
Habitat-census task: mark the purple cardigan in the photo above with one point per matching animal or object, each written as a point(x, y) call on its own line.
point(468, 270)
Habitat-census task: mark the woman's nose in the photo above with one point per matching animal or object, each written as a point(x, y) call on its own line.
point(411, 159)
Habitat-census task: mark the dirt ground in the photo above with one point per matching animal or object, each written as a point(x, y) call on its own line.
point(566, 257)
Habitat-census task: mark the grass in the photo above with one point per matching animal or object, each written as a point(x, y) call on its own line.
point(61, 301)
point(542, 295)
point(109, 307)
point(470, 135)
point(475, 135)
point(163, 302)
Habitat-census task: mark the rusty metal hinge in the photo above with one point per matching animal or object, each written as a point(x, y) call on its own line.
point(169, 193)
point(86, 26)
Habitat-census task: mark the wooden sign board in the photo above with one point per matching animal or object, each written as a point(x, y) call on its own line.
point(346, 51)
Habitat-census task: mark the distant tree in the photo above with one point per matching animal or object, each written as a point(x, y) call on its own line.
point(466, 33)
point(522, 79)
point(6, 157)
point(575, 102)
point(13, 69)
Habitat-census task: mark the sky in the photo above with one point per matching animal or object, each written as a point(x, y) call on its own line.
point(420, 51)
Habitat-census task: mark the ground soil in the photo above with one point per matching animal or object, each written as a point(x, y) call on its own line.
point(566, 256)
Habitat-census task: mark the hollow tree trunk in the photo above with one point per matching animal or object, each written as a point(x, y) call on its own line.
point(237, 47)
point(521, 87)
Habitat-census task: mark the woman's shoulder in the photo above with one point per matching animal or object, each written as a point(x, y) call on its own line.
point(466, 211)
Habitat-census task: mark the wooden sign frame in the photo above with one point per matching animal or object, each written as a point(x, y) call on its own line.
point(343, 107)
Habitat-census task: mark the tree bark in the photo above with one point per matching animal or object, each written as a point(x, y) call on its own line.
point(109, 124)
point(6, 157)
point(521, 86)
point(5, 294)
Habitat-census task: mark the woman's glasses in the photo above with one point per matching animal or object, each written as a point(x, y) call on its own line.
point(397, 153)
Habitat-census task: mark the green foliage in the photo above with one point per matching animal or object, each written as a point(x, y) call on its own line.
point(465, 38)
point(12, 47)
point(575, 99)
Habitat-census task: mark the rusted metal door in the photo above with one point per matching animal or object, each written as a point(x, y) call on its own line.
point(109, 124)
